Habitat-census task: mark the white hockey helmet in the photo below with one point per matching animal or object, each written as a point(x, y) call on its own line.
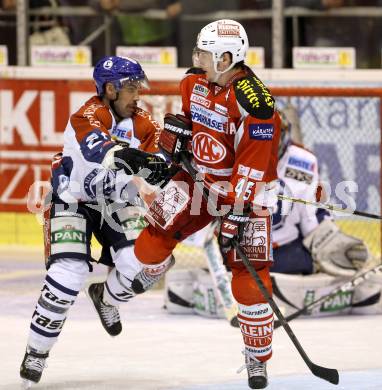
point(223, 36)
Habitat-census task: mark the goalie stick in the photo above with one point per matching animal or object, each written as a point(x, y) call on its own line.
point(221, 282)
point(328, 374)
point(355, 281)
point(329, 207)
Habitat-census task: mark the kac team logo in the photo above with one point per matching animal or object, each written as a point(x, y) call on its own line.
point(207, 149)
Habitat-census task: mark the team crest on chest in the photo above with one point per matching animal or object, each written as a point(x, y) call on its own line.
point(207, 149)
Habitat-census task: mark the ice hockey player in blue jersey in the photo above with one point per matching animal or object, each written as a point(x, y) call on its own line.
point(108, 143)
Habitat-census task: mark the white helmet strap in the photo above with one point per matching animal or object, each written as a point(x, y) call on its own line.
point(220, 72)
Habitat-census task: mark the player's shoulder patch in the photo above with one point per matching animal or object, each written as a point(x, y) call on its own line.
point(254, 97)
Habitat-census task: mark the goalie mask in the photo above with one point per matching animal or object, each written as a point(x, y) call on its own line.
point(223, 36)
point(285, 136)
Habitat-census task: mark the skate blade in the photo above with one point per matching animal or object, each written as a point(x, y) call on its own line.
point(26, 384)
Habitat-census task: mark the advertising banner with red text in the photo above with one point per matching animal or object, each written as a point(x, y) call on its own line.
point(33, 117)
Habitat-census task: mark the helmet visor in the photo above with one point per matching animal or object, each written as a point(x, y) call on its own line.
point(200, 57)
point(139, 82)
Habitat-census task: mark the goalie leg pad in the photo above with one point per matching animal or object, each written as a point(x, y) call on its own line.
point(367, 296)
point(178, 291)
point(205, 299)
point(293, 292)
point(63, 281)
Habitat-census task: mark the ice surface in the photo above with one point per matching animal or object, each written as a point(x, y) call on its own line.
point(159, 351)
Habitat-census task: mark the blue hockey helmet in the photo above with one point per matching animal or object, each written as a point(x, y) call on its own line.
point(118, 71)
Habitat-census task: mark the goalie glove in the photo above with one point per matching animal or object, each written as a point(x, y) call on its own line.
point(334, 252)
point(137, 162)
point(176, 136)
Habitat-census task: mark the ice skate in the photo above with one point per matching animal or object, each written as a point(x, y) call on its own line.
point(108, 314)
point(32, 367)
point(257, 374)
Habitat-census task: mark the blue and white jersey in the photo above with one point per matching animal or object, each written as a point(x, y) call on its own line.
point(86, 171)
point(298, 178)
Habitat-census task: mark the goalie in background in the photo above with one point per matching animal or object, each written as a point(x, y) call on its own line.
point(311, 253)
point(306, 239)
point(312, 256)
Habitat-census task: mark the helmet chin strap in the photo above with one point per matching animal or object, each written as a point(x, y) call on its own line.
point(220, 72)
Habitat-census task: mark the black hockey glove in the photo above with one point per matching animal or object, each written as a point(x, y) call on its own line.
point(232, 227)
point(176, 136)
point(137, 162)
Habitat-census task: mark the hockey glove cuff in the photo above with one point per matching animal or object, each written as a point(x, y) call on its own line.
point(176, 136)
point(232, 228)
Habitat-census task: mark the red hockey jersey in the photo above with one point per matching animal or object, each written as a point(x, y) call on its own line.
point(235, 133)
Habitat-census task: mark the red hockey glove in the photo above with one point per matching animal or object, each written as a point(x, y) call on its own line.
point(176, 136)
point(232, 227)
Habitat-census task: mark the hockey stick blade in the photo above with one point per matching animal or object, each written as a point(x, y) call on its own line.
point(328, 374)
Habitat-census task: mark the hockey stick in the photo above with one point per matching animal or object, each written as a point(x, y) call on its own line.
point(355, 281)
point(328, 374)
point(329, 207)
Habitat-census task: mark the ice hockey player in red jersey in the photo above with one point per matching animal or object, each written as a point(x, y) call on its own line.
point(230, 121)
point(93, 192)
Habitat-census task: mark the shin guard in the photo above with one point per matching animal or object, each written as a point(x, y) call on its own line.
point(62, 284)
point(256, 324)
